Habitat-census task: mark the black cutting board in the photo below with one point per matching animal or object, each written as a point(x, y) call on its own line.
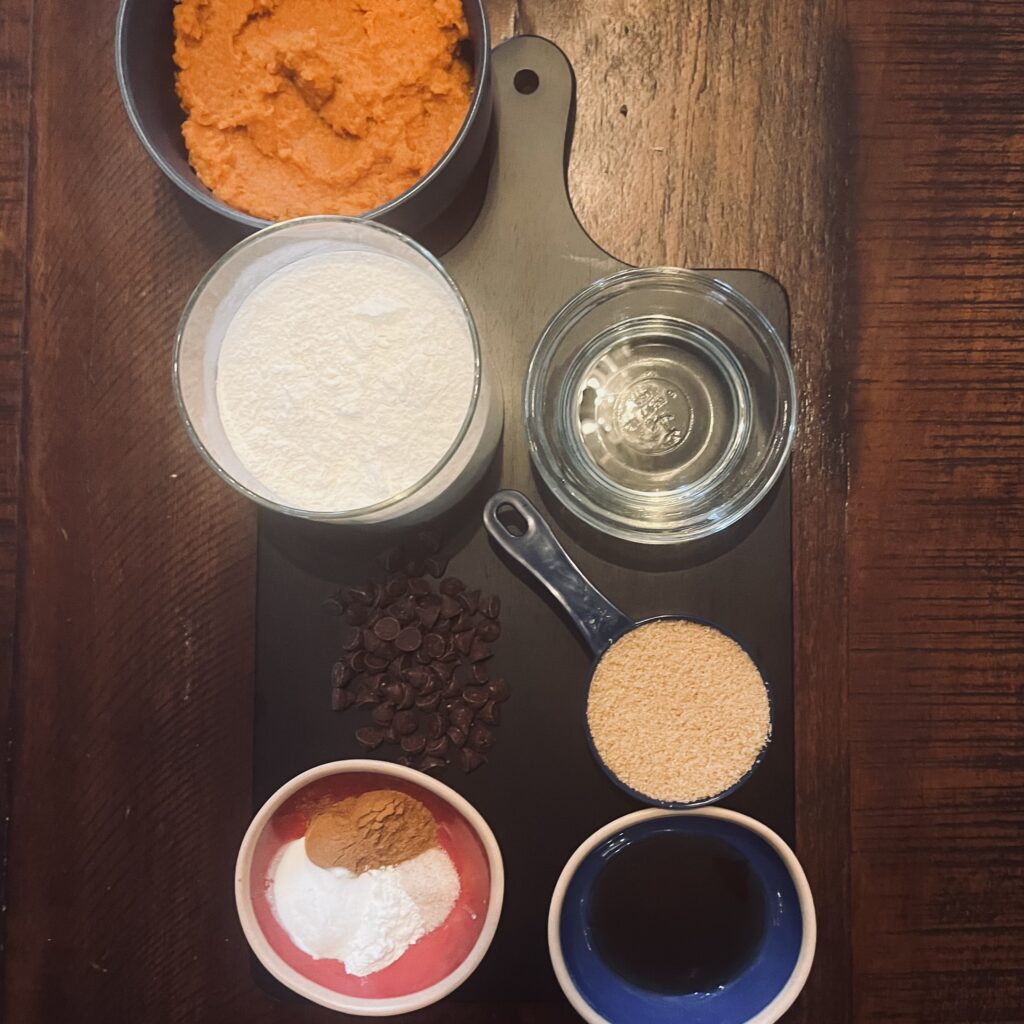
point(541, 792)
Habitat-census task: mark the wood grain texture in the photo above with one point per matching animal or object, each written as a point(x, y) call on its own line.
point(936, 548)
point(15, 77)
point(708, 134)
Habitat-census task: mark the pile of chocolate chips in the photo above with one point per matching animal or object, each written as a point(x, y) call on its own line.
point(417, 658)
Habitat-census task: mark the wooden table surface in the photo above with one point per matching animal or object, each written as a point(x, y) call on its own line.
point(870, 154)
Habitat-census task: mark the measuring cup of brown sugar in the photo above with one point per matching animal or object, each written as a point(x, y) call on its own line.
point(677, 713)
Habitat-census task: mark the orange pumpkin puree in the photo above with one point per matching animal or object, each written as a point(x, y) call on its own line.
point(318, 106)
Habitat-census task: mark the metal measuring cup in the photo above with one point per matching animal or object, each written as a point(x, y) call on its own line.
point(534, 547)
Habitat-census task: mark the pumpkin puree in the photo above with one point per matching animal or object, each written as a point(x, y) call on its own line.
point(318, 106)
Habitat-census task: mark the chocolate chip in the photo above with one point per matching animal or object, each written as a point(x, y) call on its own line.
point(376, 662)
point(341, 699)
point(390, 736)
point(396, 586)
point(406, 610)
point(414, 743)
point(428, 763)
point(428, 614)
point(405, 722)
point(433, 644)
point(417, 677)
point(408, 696)
point(351, 638)
point(476, 696)
point(452, 690)
point(387, 628)
point(480, 651)
point(383, 713)
point(428, 701)
point(480, 737)
point(443, 627)
point(371, 642)
point(450, 607)
point(451, 585)
point(456, 736)
point(470, 600)
point(341, 674)
point(499, 689)
point(489, 631)
point(393, 691)
point(419, 587)
point(367, 695)
point(438, 747)
point(357, 661)
point(470, 759)
point(480, 673)
point(410, 639)
point(358, 614)
point(373, 616)
point(463, 642)
point(463, 622)
point(462, 716)
point(435, 566)
point(370, 736)
point(463, 675)
point(423, 657)
point(490, 713)
point(491, 606)
point(363, 592)
point(443, 668)
point(434, 726)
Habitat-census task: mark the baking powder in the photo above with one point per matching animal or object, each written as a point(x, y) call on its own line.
point(366, 921)
point(344, 379)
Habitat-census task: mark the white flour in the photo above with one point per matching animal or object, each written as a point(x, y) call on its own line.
point(366, 921)
point(343, 379)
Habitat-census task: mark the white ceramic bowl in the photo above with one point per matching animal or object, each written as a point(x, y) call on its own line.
point(760, 994)
point(460, 827)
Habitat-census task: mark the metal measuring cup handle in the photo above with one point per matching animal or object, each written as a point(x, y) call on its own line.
point(518, 529)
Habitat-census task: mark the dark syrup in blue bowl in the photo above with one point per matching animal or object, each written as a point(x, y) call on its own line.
point(677, 913)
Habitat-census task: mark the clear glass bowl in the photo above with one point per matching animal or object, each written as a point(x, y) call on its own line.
point(222, 291)
point(660, 405)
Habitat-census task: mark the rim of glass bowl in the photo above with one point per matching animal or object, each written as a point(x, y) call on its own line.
point(540, 444)
point(346, 514)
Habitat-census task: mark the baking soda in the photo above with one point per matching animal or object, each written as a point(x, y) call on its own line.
point(366, 921)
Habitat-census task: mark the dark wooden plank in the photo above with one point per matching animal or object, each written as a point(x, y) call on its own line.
point(936, 549)
point(15, 78)
point(133, 714)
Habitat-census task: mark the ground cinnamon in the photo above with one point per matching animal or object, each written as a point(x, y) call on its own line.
point(373, 830)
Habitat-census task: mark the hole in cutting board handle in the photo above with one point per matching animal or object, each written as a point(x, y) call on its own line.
point(526, 81)
point(512, 520)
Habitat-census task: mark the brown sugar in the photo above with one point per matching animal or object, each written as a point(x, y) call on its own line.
point(678, 711)
point(373, 830)
point(299, 107)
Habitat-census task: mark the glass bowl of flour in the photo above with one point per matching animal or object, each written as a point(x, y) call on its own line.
point(329, 368)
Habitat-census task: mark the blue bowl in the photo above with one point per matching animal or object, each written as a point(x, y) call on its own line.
point(764, 990)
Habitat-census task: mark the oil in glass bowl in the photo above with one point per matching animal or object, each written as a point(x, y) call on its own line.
point(660, 405)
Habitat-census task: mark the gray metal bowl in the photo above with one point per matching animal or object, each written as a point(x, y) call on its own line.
point(144, 45)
